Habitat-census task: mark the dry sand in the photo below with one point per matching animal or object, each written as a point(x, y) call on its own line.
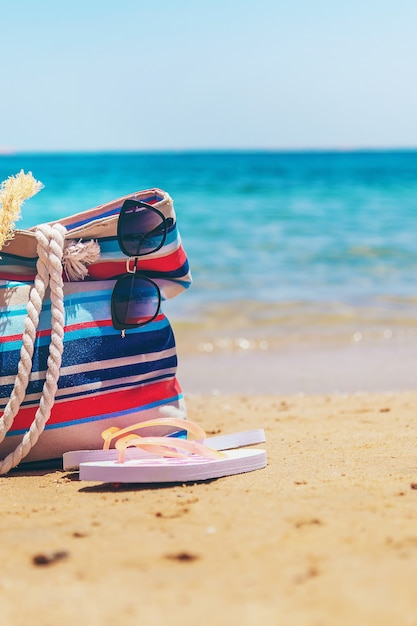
point(325, 535)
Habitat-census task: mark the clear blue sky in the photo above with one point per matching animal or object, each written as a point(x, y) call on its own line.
point(187, 74)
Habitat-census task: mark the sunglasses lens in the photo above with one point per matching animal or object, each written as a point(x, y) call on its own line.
point(141, 229)
point(135, 301)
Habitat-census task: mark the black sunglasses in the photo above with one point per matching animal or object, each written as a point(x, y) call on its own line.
point(136, 299)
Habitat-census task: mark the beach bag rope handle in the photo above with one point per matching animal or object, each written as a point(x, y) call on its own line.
point(50, 245)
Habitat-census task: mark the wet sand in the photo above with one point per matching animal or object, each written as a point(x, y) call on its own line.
point(306, 369)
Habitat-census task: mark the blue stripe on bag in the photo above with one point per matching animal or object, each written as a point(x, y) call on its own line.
point(93, 348)
point(86, 378)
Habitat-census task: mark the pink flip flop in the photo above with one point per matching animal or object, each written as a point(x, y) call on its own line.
point(73, 459)
point(137, 459)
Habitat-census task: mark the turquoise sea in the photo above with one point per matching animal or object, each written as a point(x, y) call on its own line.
point(283, 246)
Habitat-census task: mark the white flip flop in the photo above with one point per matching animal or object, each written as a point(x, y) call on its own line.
point(182, 469)
point(72, 460)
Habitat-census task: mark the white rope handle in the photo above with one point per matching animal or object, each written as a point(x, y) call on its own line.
point(49, 270)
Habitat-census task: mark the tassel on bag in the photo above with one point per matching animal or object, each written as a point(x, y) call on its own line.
point(77, 256)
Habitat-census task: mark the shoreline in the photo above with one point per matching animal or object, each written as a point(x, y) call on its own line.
point(297, 347)
point(301, 368)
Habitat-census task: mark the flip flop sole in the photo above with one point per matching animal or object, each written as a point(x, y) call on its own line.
point(173, 470)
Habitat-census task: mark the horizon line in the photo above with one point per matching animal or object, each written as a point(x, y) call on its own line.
point(10, 152)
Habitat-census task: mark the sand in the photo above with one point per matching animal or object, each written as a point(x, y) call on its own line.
point(326, 534)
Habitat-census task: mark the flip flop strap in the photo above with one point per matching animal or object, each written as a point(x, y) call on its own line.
point(181, 423)
point(166, 447)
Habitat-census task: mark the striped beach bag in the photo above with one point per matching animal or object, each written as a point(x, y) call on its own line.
point(84, 344)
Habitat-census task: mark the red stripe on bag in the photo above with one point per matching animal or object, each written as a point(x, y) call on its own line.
point(70, 328)
point(47, 331)
point(10, 338)
point(164, 263)
point(109, 269)
point(93, 407)
point(18, 277)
